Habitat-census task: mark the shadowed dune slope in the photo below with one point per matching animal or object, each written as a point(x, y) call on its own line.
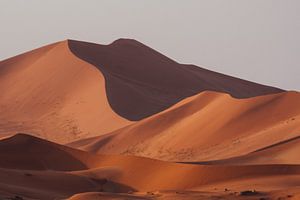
point(23, 151)
point(109, 172)
point(51, 93)
point(141, 82)
point(49, 184)
point(207, 126)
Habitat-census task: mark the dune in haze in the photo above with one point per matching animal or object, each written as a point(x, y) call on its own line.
point(122, 121)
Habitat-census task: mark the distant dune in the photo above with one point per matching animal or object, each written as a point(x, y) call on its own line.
point(122, 121)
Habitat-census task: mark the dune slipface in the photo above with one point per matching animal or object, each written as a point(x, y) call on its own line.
point(141, 82)
point(122, 121)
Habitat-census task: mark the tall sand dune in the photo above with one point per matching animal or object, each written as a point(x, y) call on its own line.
point(71, 89)
point(51, 93)
point(141, 82)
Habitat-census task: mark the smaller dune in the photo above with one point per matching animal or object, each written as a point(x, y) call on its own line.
point(31, 153)
point(207, 126)
point(44, 170)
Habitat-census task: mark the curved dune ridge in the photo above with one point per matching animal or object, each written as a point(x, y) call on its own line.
point(51, 93)
point(207, 126)
point(141, 82)
point(113, 173)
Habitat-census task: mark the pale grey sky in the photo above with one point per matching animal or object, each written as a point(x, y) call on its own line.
point(258, 40)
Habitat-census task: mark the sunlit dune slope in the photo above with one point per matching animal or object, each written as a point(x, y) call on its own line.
point(284, 152)
point(51, 93)
point(207, 126)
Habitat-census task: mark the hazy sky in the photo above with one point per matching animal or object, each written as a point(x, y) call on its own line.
point(258, 40)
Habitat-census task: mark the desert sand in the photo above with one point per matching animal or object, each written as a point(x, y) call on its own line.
point(45, 170)
point(207, 126)
point(51, 93)
point(141, 82)
point(86, 121)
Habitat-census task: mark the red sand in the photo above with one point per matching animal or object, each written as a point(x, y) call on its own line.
point(117, 173)
point(226, 135)
point(141, 82)
point(207, 126)
point(51, 93)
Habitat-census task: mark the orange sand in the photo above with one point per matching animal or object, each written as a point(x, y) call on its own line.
point(138, 125)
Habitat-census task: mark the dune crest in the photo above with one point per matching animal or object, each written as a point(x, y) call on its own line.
point(141, 82)
point(51, 93)
point(72, 90)
point(207, 126)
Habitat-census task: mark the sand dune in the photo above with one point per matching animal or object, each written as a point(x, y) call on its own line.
point(141, 82)
point(284, 152)
point(139, 125)
point(71, 90)
point(26, 152)
point(207, 126)
point(51, 93)
point(99, 173)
